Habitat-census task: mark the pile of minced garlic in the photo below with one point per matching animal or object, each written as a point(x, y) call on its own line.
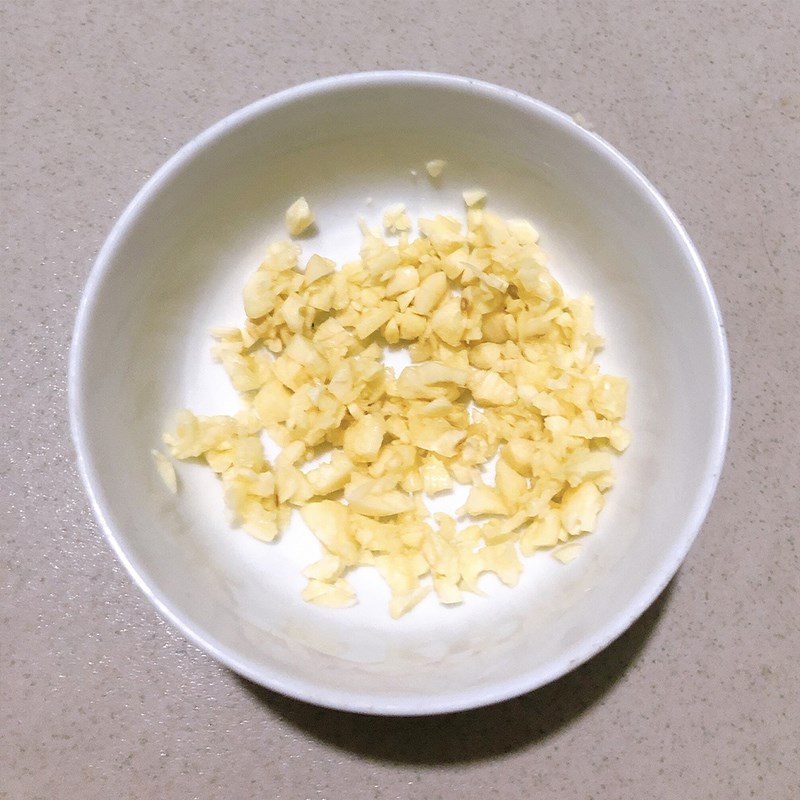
point(502, 365)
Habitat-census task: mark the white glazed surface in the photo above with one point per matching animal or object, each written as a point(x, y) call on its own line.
point(174, 266)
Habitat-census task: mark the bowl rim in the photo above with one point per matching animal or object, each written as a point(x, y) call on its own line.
point(452, 700)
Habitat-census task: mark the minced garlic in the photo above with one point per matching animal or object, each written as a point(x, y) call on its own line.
point(502, 366)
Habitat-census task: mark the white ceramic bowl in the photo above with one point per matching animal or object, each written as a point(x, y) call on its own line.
point(174, 266)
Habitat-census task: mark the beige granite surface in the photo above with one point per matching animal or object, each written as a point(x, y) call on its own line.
point(101, 699)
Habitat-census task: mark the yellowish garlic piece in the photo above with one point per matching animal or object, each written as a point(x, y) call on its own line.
point(373, 499)
point(435, 167)
point(166, 471)
point(485, 500)
point(473, 197)
point(330, 522)
point(331, 595)
point(363, 439)
point(403, 604)
point(330, 477)
point(395, 219)
point(580, 507)
point(328, 569)
point(299, 217)
point(403, 280)
point(542, 532)
point(435, 477)
point(569, 552)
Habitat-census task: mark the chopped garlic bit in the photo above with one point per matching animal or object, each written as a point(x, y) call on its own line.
point(332, 595)
point(473, 197)
point(502, 365)
point(299, 217)
point(402, 604)
point(567, 553)
point(165, 470)
point(396, 220)
point(435, 167)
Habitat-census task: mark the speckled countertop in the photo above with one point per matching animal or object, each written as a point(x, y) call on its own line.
point(101, 699)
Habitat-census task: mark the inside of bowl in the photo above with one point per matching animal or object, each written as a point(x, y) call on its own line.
point(178, 268)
